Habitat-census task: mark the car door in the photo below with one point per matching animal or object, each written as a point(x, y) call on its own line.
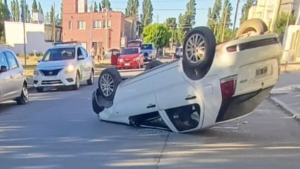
point(177, 98)
point(5, 79)
point(16, 73)
point(88, 64)
point(135, 97)
point(81, 64)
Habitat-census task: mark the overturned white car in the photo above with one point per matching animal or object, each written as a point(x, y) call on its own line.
point(209, 85)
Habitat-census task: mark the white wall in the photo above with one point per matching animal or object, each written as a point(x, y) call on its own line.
point(34, 38)
point(287, 40)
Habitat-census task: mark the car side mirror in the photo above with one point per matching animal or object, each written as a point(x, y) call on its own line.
point(81, 57)
point(3, 69)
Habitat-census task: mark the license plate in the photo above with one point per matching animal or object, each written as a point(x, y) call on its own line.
point(127, 64)
point(261, 71)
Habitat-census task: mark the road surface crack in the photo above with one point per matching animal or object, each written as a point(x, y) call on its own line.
point(162, 151)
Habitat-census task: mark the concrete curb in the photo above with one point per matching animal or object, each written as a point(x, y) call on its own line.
point(288, 110)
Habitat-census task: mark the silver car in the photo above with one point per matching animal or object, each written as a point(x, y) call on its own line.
point(13, 83)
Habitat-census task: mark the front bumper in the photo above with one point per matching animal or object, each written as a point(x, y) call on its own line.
point(62, 79)
point(242, 105)
point(130, 64)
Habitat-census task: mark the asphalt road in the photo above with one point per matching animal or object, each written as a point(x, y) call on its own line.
point(58, 130)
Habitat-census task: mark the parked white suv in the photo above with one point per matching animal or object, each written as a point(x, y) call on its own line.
point(13, 83)
point(65, 64)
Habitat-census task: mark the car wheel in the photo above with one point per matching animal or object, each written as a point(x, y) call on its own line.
point(255, 25)
point(108, 82)
point(153, 64)
point(90, 81)
point(39, 89)
point(199, 48)
point(24, 97)
point(96, 108)
point(76, 86)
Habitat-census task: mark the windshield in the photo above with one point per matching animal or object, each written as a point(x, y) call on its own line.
point(134, 44)
point(58, 54)
point(130, 51)
point(147, 46)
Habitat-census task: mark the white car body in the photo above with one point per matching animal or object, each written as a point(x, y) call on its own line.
point(149, 54)
point(12, 77)
point(63, 72)
point(241, 76)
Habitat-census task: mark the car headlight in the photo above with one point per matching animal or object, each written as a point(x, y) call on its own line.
point(36, 72)
point(70, 69)
point(120, 60)
point(136, 59)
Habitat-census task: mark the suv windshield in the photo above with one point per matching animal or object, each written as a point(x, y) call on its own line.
point(130, 51)
point(57, 54)
point(147, 46)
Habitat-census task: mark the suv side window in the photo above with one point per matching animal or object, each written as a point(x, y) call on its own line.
point(78, 52)
point(83, 51)
point(12, 62)
point(3, 60)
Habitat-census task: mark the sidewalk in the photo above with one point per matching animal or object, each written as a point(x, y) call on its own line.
point(286, 94)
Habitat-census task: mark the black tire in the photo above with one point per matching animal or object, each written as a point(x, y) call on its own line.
point(153, 64)
point(209, 47)
point(76, 86)
point(96, 108)
point(90, 81)
point(39, 89)
point(114, 78)
point(257, 25)
point(24, 97)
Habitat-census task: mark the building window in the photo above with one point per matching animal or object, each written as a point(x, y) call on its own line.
point(70, 25)
point(81, 25)
point(107, 24)
point(97, 24)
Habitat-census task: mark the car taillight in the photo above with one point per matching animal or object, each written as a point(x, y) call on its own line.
point(232, 49)
point(228, 86)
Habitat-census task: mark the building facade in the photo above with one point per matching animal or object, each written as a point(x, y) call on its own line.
point(98, 29)
point(267, 10)
point(38, 37)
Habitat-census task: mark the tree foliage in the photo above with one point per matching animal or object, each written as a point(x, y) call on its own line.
point(40, 9)
point(283, 21)
point(147, 13)
point(225, 21)
point(132, 8)
point(106, 4)
point(158, 34)
point(4, 15)
point(95, 7)
point(34, 6)
point(245, 10)
point(214, 15)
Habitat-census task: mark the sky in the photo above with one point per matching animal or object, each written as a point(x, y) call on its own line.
point(162, 9)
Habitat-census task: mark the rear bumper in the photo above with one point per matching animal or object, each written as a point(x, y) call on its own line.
point(132, 64)
point(241, 105)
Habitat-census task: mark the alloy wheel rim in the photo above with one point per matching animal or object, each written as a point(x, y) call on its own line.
point(195, 49)
point(107, 85)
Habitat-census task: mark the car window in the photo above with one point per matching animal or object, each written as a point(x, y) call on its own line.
point(3, 60)
point(83, 51)
point(147, 46)
point(12, 62)
point(130, 51)
point(79, 53)
point(58, 54)
point(115, 52)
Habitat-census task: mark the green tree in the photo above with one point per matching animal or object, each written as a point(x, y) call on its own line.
point(47, 18)
point(91, 8)
point(40, 9)
point(158, 34)
point(52, 15)
point(225, 21)
point(12, 9)
point(245, 10)
point(191, 11)
point(147, 15)
point(171, 23)
point(283, 21)
point(132, 8)
point(34, 6)
point(95, 7)
point(214, 16)
point(106, 4)
point(100, 7)
point(17, 11)
point(4, 15)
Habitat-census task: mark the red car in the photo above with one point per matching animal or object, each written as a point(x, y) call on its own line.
point(130, 58)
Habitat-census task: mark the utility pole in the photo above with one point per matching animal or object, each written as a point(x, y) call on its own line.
point(106, 29)
point(24, 31)
point(235, 15)
point(53, 18)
